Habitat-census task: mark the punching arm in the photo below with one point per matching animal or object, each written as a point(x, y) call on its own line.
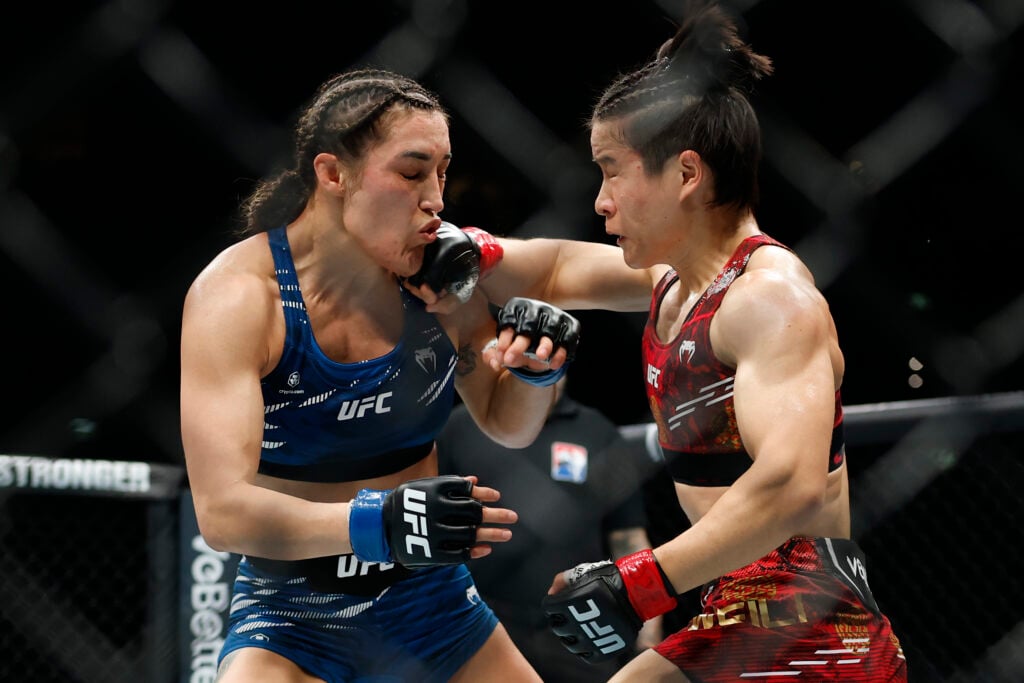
point(457, 260)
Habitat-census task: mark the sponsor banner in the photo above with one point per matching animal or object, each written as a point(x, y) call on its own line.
point(78, 476)
point(206, 578)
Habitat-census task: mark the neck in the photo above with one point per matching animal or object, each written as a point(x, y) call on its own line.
point(710, 244)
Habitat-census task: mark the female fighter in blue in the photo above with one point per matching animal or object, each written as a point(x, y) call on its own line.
point(313, 384)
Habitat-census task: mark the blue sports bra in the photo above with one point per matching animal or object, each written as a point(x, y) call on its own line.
point(332, 422)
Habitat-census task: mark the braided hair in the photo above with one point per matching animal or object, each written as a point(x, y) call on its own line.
point(693, 95)
point(345, 117)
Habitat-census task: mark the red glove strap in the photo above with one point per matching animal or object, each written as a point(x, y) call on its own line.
point(646, 589)
point(491, 251)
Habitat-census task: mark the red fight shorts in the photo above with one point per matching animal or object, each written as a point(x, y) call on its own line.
point(803, 611)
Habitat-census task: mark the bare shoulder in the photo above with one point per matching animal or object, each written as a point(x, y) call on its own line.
point(244, 266)
point(775, 300)
point(780, 260)
point(776, 276)
point(235, 294)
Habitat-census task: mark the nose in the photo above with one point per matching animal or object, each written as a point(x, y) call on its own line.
point(432, 201)
point(603, 204)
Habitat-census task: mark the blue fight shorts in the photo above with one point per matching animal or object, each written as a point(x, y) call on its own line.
point(421, 628)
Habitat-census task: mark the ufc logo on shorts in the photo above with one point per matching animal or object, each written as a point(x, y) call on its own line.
point(596, 632)
point(415, 516)
point(349, 566)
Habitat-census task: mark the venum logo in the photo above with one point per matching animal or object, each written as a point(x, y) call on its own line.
point(857, 567)
point(426, 359)
point(415, 515)
point(689, 348)
point(603, 637)
point(356, 409)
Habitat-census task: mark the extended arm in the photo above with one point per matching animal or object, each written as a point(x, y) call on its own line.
point(571, 274)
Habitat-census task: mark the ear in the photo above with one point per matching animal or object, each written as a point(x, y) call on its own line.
point(330, 175)
point(692, 172)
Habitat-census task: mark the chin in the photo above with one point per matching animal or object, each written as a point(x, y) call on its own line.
point(632, 260)
point(407, 269)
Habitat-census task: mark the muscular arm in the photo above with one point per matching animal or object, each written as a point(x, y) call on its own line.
point(225, 328)
point(570, 274)
point(778, 333)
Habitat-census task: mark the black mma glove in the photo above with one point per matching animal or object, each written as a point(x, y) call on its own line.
point(600, 614)
point(535, 319)
point(422, 522)
point(457, 260)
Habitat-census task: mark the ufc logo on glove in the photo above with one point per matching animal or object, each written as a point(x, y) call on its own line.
point(423, 522)
point(588, 622)
point(415, 515)
point(622, 594)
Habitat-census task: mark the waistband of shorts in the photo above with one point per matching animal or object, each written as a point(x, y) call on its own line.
point(800, 553)
point(840, 558)
point(334, 573)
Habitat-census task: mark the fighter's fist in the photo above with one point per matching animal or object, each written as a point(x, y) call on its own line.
point(538, 319)
point(456, 260)
point(601, 611)
point(422, 522)
point(592, 617)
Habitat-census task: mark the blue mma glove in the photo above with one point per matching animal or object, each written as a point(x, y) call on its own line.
point(422, 522)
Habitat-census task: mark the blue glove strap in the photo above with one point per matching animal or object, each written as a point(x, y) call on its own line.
point(539, 379)
point(366, 526)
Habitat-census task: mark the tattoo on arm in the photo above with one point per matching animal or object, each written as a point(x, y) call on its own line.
point(466, 361)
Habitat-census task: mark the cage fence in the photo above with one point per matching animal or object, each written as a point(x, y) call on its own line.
point(101, 586)
point(863, 122)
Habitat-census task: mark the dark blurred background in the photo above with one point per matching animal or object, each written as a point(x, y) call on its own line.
point(894, 132)
point(129, 132)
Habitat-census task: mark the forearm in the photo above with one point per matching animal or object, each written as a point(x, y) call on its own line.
point(625, 541)
point(571, 274)
point(251, 520)
point(644, 585)
point(749, 520)
point(525, 270)
point(516, 411)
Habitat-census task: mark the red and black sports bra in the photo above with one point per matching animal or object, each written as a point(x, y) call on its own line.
point(690, 390)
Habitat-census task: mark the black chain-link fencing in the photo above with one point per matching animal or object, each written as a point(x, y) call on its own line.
point(130, 130)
